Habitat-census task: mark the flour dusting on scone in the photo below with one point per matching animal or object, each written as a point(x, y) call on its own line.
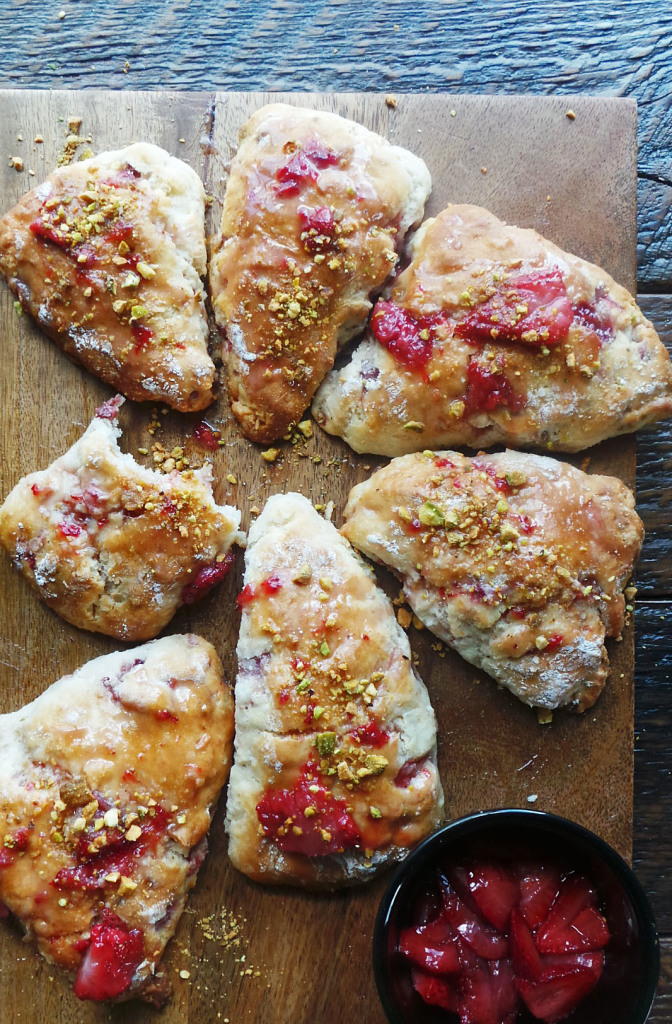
point(335, 761)
point(112, 546)
point(107, 255)
point(495, 335)
point(108, 781)
point(315, 213)
point(517, 561)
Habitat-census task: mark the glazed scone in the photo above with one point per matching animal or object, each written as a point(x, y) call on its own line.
point(107, 784)
point(517, 561)
point(315, 212)
point(107, 255)
point(495, 335)
point(334, 771)
point(114, 547)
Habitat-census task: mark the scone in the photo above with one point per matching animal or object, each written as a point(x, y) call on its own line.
point(334, 772)
point(315, 212)
point(493, 334)
point(107, 783)
point(107, 255)
point(114, 547)
point(517, 561)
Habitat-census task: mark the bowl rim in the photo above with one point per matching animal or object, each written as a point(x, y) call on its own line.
point(539, 821)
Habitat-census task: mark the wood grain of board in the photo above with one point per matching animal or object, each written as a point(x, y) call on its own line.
point(575, 181)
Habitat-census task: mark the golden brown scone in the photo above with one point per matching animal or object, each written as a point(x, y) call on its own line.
point(335, 762)
point(112, 546)
point(107, 783)
point(106, 255)
point(315, 211)
point(493, 334)
point(517, 561)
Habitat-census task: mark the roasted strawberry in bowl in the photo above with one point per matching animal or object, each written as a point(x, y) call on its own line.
point(515, 917)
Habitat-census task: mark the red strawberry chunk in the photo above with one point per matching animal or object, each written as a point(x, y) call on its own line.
point(591, 930)
point(539, 887)
point(430, 946)
point(556, 966)
point(532, 309)
point(481, 937)
point(553, 935)
point(495, 891)
point(435, 991)
point(488, 994)
point(526, 960)
point(505, 991)
point(552, 999)
point(111, 959)
point(207, 577)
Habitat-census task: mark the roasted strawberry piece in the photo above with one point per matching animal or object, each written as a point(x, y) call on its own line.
point(554, 934)
point(435, 991)
point(495, 891)
point(564, 963)
point(526, 960)
point(539, 887)
point(481, 937)
point(553, 998)
point(488, 994)
point(506, 995)
point(430, 946)
point(532, 309)
point(110, 960)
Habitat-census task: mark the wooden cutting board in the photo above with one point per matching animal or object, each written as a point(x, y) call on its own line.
point(275, 955)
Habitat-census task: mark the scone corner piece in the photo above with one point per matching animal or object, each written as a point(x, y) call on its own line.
point(107, 255)
point(335, 770)
point(109, 780)
point(516, 561)
point(113, 546)
point(315, 213)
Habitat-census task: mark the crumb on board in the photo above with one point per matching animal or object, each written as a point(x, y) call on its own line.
point(16, 162)
point(570, 115)
point(391, 101)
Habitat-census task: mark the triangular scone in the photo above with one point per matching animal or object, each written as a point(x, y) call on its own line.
point(315, 211)
point(335, 761)
point(107, 784)
point(517, 561)
point(112, 546)
point(107, 255)
point(493, 334)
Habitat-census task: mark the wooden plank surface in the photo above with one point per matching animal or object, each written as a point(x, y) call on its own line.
point(492, 751)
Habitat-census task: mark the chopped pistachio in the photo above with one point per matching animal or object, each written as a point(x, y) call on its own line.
point(430, 514)
point(325, 650)
point(374, 812)
point(325, 743)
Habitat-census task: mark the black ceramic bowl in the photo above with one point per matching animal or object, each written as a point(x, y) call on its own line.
point(625, 991)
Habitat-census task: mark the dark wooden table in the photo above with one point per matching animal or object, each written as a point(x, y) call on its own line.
point(496, 46)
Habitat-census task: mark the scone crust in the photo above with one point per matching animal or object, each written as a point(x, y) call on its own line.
point(110, 545)
point(107, 255)
point(326, 695)
point(608, 374)
point(517, 561)
point(146, 732)
point(300, 253)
